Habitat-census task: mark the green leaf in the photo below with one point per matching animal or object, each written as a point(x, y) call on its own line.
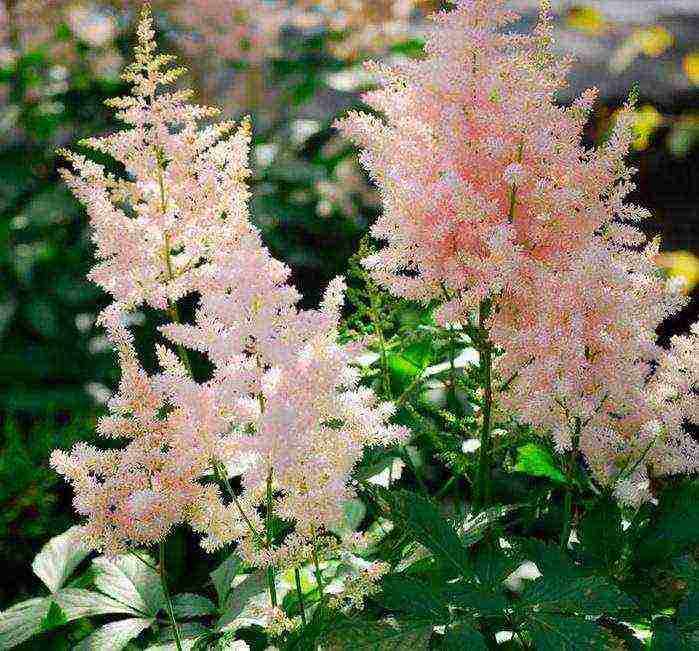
point(462, 636)
point(22, 621)
point(556, 633)
point(475, 599)
point(667, 637)
point(115, 636)
point(386, 635)
point(76, 603)
point(354, 511)
point(419, 352)
point(248, 591)
point(492, 564)
point(223, 576)
point(188, 605)
point(425, 524)
point(414, 597)
point(550, 559)
point(536, 460)
point(587, 595)
point(59, 557)
point(674, 526)
point(688, 611)
point(402, 371)
point(131, 582)
point(55, 617)
point(474, 527)
point(601, 534)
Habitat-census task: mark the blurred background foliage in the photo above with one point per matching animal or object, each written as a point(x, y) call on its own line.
point(294, 66)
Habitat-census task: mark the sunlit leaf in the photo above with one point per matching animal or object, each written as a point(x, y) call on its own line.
point(114, 636)
point(536, 460)
point(59, 557)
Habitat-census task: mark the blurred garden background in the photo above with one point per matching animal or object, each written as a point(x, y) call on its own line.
point(294, 67)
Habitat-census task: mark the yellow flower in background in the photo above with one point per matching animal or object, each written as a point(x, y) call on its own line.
point(649, 41)
point(653, 41)
point(681, 264)
point(691, 67)
point(586, 19)
point(648, 120)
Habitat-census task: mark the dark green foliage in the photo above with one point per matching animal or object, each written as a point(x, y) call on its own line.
point(34, 503)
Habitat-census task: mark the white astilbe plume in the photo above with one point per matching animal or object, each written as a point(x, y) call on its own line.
point(282, 408)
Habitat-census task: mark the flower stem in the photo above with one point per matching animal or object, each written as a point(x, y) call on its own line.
point(299, 591)
point(376, 322)
point(568, 498)
point(166, 592)
point(485, 460)
point(270, 570)
point(318, 573)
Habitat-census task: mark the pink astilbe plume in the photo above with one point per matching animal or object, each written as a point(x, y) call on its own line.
point(282, 408)
point(135, 494)
point(493, 205)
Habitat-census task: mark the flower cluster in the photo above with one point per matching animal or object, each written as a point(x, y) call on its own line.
point(493, 206)
point(282, 408)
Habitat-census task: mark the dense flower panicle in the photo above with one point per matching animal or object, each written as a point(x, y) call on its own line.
point(135, 494)
point(490, 198)
point(282, 409)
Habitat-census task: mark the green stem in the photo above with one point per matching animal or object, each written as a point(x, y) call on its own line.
point(513, 190)
point(270, 570)
point(222, 478)
point(485, 459)
point(299, 591)
point(452, 367)
point(318, 573)
point(168, 601)
point(568, 498)
point(386, 379)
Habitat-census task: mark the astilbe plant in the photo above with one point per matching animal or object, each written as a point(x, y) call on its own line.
point(508, 306)
point(282, 401)
point(494, 208)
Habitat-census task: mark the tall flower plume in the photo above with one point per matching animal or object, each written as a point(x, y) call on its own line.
point(282, 408)
point(493, 206)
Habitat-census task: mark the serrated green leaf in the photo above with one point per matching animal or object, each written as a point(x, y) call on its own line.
point(588, 595)
point(402, 370)
point(475, 599)
point(223, 576)
point(462, 636)
point(414, 597)
point(419, 352)
point(673, 527)
point(474, 527)
point(550, 559)
point(115, 636)
point(131, 582)
point(556, 633)
point(59, 557)
point(492, 564)
point(426, 525)
point(601, 534)
point(537, 461)
point(386, 635)
point(187, 630)
point(188, 605)
point(22, 621)
point(54, 618)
